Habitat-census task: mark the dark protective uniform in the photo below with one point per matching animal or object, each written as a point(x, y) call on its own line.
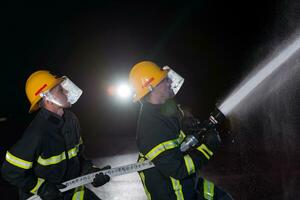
point(49, 150)
point(159, 136)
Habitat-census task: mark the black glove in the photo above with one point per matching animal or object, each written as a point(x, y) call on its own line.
point(212, 139)
point(50, 191)
point(191, 125)
point(100, 179)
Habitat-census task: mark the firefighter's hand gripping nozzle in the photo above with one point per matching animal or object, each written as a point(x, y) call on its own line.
point(215, 118)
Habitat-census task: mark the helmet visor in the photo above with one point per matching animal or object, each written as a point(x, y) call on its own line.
point(176, 79)
point(73, 92)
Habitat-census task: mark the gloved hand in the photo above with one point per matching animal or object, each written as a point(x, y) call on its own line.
point(212, 139)
point(50, 191)
point(100, 179)
point(190, 125)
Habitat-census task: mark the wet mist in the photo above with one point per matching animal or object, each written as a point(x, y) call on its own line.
point(267, 134)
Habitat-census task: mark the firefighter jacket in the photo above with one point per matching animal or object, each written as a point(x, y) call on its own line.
point(159, 137)
point(50, 150)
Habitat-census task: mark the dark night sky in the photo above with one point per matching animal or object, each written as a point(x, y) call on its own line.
point(212, 44)
point(93, 41)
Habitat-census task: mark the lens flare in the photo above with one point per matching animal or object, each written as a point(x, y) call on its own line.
point(123, 91)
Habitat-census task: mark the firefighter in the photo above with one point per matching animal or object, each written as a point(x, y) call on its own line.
point(159, 135)
point(50, 151)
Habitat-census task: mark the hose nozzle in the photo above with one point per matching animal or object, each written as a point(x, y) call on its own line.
point(215, 118)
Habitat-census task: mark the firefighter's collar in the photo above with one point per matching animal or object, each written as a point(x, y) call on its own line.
point(52, 117)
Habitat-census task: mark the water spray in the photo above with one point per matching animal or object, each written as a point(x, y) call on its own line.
point(219, 115)
point(236, 97)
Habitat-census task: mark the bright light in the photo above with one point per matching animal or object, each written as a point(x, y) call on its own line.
point(123, 91)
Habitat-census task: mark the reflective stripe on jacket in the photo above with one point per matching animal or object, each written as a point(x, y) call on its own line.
point(50, 149)
point(158, 139)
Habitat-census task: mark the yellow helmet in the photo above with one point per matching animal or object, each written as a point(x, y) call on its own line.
point(39, 81)
point(144, 76)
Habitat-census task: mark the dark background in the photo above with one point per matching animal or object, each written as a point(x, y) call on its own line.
point(212, 44)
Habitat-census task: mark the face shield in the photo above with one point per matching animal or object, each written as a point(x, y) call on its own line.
point(73, 91)
point(70, 93)
point(176, 79)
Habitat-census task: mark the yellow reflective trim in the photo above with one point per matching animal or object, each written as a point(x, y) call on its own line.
point(58, 158)
point(158, 149)
point(181, 137)
point(140, 154)
point(141, 159)
point(205, 151)
point(189, 163)
point(73, 152)
point(79, 193)
point(17, 161)
point(144, 185)
point(208, 189)
point(142, 176)
point(204, 147)
point(177, 188)
point(40, 181)
point(52, 160)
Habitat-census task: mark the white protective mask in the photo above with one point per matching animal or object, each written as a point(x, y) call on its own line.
point(73, 93)
point(176, 79)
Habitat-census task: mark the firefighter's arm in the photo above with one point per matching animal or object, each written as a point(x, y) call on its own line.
point(174, 163)
point(205, 151)
point(17, 167)
point(165, 153)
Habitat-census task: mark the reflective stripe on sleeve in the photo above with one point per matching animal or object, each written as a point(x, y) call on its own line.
point(170, 144)
point(205, 151)
point(52, 160)
point(181, 137)
point(189, 163)
point(158, 149)
point(17, 161)
point(40, 181)
point(73, 152)
point(58, 158)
